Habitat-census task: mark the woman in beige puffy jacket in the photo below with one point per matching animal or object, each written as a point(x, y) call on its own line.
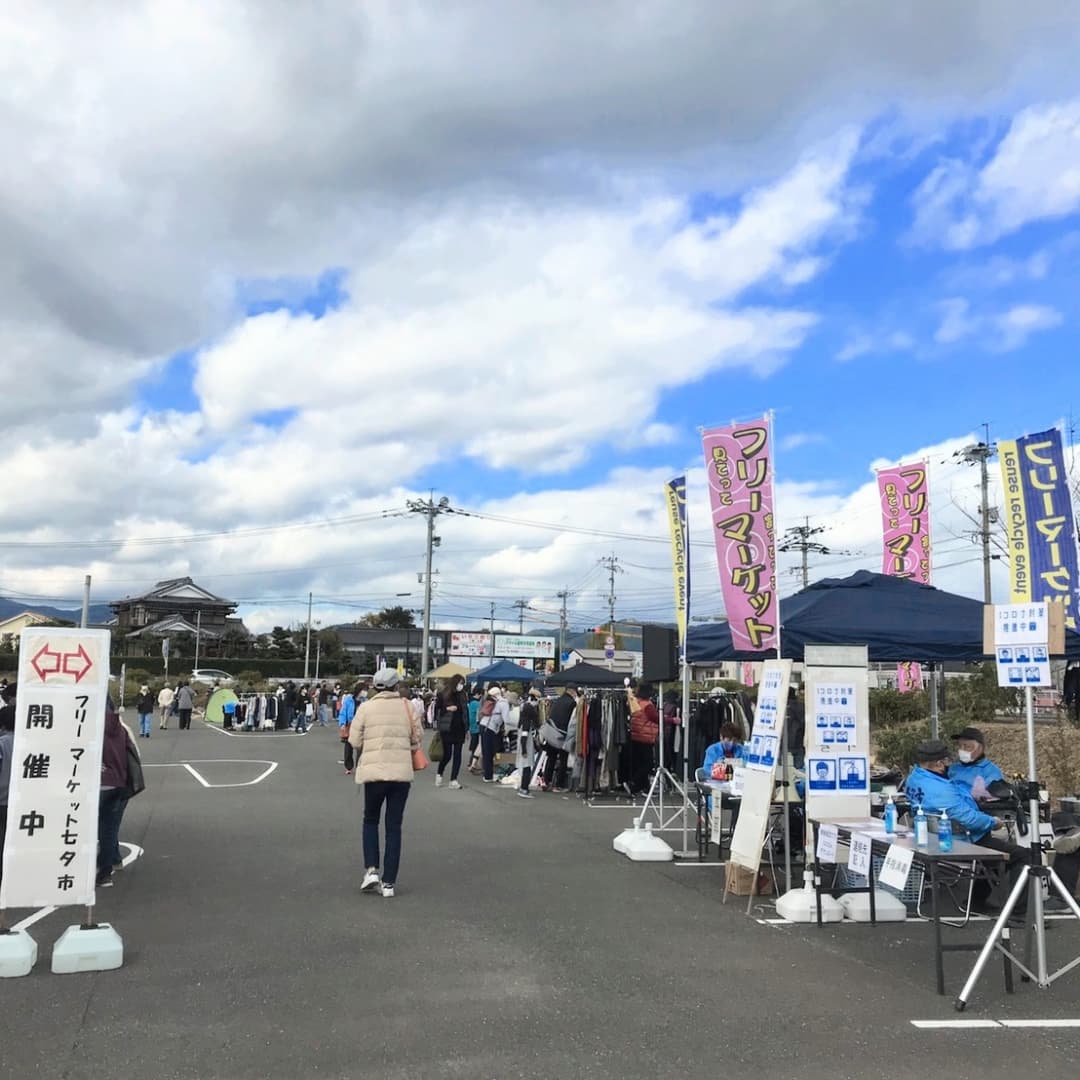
point(386, 732)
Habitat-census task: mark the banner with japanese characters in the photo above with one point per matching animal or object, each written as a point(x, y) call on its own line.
point(906, 552)
point(675, 497)
point(1039, 521)
point(50, 853)
point(738, 464)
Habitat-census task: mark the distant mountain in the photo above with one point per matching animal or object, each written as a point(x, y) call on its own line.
point(99, 613)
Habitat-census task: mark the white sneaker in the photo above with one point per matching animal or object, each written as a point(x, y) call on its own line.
point(454, 785)
point(438, 780)
point(388, 891)
point(371, 880)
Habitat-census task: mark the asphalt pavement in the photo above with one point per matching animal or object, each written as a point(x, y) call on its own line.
point(519, 944)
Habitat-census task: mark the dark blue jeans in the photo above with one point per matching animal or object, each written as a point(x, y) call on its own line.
point(490, 742)
point(110, 811)
point(394, 793)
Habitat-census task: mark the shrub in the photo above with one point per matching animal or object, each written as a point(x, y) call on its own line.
point(896, 744)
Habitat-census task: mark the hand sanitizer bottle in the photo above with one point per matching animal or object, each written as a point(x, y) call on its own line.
point(922, 832)
point(945, 832)
point(890, 816)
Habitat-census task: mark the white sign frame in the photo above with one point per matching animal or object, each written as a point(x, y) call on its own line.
point(50, 850)
point(524, 647)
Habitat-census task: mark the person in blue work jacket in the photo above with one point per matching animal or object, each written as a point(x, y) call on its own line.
point(727, 751)
point(928, 785)
point(973, 770)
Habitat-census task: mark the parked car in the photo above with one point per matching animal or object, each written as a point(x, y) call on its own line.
point(212, 676)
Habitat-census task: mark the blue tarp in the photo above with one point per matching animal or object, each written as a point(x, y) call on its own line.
point(502, 671)
point(897, 618)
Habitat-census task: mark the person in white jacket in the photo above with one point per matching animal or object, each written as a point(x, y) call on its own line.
point(492, 727)
point(165, 700)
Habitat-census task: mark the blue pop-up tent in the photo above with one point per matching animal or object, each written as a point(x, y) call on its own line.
point(502, 671)
point(898, 619)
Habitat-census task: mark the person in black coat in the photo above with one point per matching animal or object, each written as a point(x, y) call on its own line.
point(452, 723)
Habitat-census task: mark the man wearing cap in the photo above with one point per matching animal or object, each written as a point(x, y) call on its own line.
point(928, 785)
point(973, 770)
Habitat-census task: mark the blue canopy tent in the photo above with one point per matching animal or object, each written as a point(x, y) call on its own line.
point(898, 619)
point(502, 671)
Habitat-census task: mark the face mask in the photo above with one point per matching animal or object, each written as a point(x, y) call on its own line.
point(461, 686)
point(727, 744)
point(965, 756)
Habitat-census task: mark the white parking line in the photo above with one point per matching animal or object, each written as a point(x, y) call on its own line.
point(1040, 1023)
point(134, 851)
point(962, 1024)
point(189, 767)
point(253, 734)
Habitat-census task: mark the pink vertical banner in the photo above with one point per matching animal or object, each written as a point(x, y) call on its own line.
point(748, 673)
point(905, 519)
point(738, 464)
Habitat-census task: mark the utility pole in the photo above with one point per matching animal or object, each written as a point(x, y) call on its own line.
point(307, 644)
point(980, 453)
point(491, 635)
point(798, 538)
point(521, 606)
point(431, 510)
point(85, 620)
point(612, 564)
point(562, 623)
point(198, 635)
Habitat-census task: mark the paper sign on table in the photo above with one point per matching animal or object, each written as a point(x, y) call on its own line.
point(826, 843)
point(894, 871)
point(859, 858)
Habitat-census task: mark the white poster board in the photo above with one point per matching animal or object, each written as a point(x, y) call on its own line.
point(760, 779)
point(837, 732)
point(50, 854)
point(1022, 644)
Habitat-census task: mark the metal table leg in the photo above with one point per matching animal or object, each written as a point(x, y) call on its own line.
point(939, 955)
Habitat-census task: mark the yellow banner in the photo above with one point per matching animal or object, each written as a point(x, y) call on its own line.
point(1016, 524)
point(675, 494)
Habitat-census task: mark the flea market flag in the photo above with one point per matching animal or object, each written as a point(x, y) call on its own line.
point(1039, 521)
point(738, 463)
point(905, 520)
point(675, 495)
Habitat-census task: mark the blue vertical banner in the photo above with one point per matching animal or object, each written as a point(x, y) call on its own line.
point(1039, 517)
point(675, 497)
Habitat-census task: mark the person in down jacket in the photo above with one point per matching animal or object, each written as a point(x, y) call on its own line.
point(973, 770)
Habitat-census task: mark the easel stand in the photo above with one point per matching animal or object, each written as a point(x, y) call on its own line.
point(1032, 878)
point(654, 799)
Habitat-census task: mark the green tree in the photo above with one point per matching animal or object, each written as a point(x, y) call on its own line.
point(282, 644)
point(236, 643)
point(390, 618)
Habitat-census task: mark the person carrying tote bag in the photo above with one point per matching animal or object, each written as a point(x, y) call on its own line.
point(388, 734)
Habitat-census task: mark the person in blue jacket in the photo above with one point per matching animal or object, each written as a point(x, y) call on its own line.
point(928, 785)
point(972, 764)
point(727, 751)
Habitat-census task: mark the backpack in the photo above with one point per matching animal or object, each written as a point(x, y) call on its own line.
point(488, 707)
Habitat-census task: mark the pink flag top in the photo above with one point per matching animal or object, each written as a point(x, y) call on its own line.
point(905, 519)
point(738, 464)
point(748, 673)
point(905, 516)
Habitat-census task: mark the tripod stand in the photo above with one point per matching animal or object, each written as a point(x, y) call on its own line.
point(1032, 878)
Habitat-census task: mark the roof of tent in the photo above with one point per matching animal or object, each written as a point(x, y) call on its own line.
point(447, 671)
point(586, 675)
point(897, 618)
point(502, 671)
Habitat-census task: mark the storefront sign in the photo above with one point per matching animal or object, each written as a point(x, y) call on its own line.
point(50, 855)
point(738, 465)
point(1039, 521)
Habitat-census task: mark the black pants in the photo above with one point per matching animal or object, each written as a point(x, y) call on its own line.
point(490, 742)
point(451, 750)
point(555, 767)
point(3, 830)
point(348, 755)
point(185, 719)
point(642, 765)
point(394, 793)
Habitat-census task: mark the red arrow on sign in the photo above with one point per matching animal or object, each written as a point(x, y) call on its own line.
point(77, 663)
point(46, 662)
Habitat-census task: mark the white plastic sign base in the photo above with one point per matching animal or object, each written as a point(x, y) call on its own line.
point(98, 949)
point(800, 905)
point(886, 906)
point(18, 954)
point(640, 845)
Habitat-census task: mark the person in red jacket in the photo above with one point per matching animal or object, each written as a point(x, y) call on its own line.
point(644, 731)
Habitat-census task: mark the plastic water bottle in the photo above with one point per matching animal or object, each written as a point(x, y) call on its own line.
point(922, 831)
point(944, 835)
point(890, 816)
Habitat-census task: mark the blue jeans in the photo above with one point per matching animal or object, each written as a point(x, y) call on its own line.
point(489, 744)
point(144, 723)
point(110, 811)
point(394, 793)
point(324, 715)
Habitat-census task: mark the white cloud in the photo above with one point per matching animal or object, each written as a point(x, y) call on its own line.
point(798, 439)
point(1021, 321)
point(879, 343)
point(956, 321)
point(1033, 175)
